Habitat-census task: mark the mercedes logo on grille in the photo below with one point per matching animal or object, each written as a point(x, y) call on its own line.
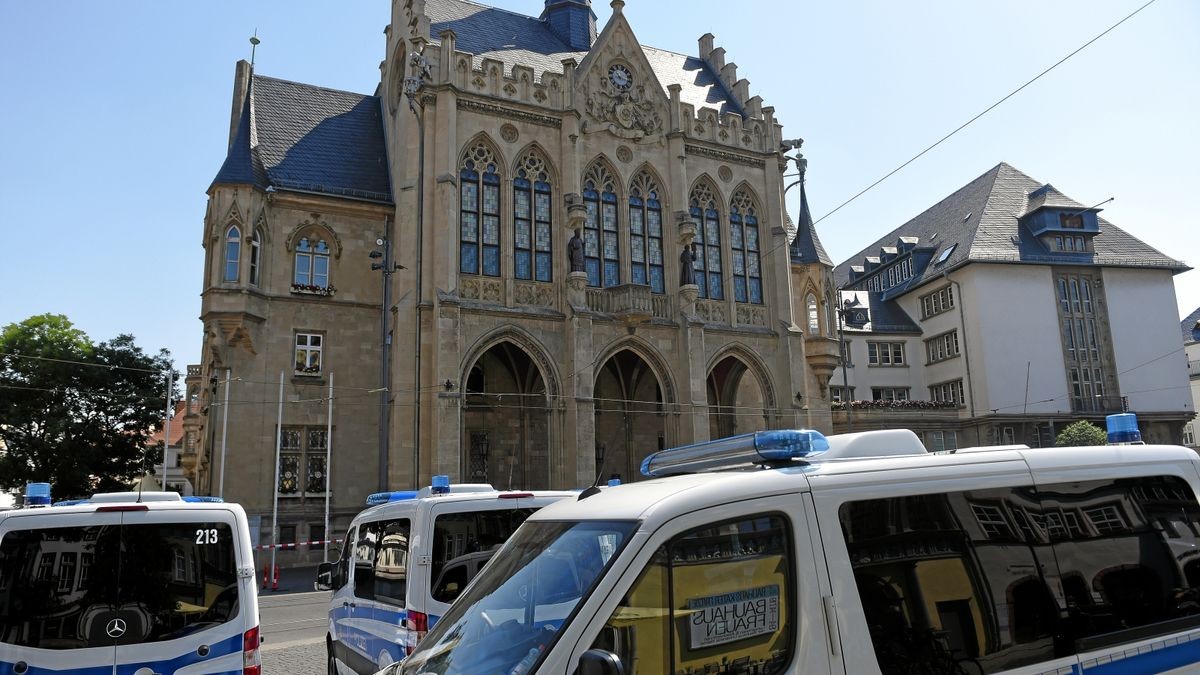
point(115, 628)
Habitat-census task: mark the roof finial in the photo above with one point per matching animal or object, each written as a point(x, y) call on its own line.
point(254, 42)
point(617, 6)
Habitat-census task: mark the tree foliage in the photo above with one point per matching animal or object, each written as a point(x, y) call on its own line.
point(73, 413)
point(1079, 433)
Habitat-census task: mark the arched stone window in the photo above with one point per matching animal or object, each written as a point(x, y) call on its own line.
point(645, 233)
point(479, 213)
point(312, 263)
point(708, 242)
point(532, 220)
point(256, 258)
point(743, 239)
point(601, 243)
point(233, 253)
point(814, 314)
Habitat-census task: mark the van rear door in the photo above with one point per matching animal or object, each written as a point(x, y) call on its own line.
point(59, 605)
point(179, 593)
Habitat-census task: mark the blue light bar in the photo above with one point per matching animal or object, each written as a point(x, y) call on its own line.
point(37, 494)
point(387, 497)
point(760, 447)
point(203, 500)
point(1122, 428)
point(441, 485)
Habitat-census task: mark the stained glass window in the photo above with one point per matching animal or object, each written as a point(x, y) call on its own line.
point(601, 251)
point(743, 239)
point(707, 219)
point(233, 253)
point(479, 213)
point(532, 222)
point(645, 233)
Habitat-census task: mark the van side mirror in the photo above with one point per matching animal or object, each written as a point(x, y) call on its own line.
point(324, 580)
point(599, 662)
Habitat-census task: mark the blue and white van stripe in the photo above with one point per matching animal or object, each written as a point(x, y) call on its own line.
point(231, 645)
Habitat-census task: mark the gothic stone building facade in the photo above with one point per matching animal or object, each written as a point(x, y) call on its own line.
point(588, 256)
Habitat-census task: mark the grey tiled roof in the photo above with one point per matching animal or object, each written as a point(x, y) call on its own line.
point(980, 222)
point(1188, 324)
point(516, 39)
point(302, 137)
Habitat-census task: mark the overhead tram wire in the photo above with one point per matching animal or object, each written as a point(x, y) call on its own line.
point(985, 111)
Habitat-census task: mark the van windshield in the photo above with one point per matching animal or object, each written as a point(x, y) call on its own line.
point(511, 615)
point(60, 587)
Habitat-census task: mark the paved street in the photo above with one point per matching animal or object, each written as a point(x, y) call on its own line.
point(294, 627)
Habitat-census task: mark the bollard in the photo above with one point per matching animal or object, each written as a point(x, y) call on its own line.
point(266, 571)
point(275, 581)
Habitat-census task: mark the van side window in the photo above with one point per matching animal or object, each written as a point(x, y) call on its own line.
point(364, 560)
point(948, 582)
point(391, 562)
point(342, 571)
point(714, 599)
point(1129, 554)
point(470, 537)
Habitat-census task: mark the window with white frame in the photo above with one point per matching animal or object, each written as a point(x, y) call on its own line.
point(889, 393)
point(814, 314)
point(885, 353)
point(947, 392)
point(938, 441)
point(841, 393)
point(308, 353)
point(941, 300)
point(1106, 519)
point(1189, 434)
point(312, 263)
point(942, 347)
point(991, 519)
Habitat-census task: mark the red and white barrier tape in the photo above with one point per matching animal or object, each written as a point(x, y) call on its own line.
point(296, 544)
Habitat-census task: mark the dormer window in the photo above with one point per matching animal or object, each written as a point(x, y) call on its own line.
point(1072, 221)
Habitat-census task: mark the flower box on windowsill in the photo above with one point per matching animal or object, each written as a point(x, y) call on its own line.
point(307, 372)
point(309, 289)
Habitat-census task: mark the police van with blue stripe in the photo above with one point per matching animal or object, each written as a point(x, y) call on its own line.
point(406, 558)
point(789, 552)
point(127, 584)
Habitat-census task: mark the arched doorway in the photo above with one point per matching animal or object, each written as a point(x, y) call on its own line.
point(505, 433)
point(630, 421)
point(736, 404)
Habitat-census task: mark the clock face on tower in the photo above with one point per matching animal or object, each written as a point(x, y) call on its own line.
point(620, 77)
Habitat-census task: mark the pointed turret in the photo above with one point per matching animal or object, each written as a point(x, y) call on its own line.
point(573, 21)
point(806, 247)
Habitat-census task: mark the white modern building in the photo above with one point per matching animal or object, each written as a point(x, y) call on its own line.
point(1003, 313)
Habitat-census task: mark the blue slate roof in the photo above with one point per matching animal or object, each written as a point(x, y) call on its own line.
point(1188, 326)
point(516, 39)
point(979, 222)
point(806, 246)
point(887, 316)
point(295, 136)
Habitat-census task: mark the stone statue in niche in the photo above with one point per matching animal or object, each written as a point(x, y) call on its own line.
point(575, 252)
point(687, 266)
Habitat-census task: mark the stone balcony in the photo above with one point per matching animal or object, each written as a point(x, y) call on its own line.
point(630, 303)
point(822, 355)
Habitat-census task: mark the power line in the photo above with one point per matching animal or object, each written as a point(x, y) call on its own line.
point(964, 125)
point(81, 363)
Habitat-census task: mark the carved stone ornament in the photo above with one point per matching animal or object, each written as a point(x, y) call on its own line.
point(509, 133)
point(725, 173)
point(624, 153)
point(627, 114)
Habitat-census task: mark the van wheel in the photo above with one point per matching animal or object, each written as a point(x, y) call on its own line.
point(331, 663)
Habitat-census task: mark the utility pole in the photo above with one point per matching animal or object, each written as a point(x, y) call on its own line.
point(170, 376)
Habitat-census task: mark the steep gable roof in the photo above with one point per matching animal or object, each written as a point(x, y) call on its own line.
point(979, 222)
point(303, 137)
point(806, 246)
point(516, 39)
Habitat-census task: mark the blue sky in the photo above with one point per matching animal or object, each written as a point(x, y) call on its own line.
point(116, 118)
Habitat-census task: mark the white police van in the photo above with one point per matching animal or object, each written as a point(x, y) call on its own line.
point(406, 559)
point(786, 552)
point(127, 584)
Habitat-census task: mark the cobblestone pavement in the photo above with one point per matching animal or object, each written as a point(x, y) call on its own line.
point(305, 657)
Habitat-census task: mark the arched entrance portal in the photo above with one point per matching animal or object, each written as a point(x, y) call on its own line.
point(505, 434)
point(736, 404)
point(630, 422)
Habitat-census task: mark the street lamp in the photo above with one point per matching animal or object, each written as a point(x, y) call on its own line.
point(841, 314)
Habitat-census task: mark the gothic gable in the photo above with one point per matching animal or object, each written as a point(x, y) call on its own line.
point(617, 88)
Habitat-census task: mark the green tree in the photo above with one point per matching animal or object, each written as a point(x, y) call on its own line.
point(75, 414)
point(1082, 432)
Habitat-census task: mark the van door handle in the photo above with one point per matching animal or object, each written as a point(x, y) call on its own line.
point(835, 637)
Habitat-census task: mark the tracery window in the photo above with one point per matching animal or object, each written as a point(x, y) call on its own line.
point(814, 314)
point(601, 247)
point(645, 233)
point(256, 258)
point(743, 239)
point(532, 220)
point(708, 242)
point(312, 262)
point(479, 213)
point(233, 253)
